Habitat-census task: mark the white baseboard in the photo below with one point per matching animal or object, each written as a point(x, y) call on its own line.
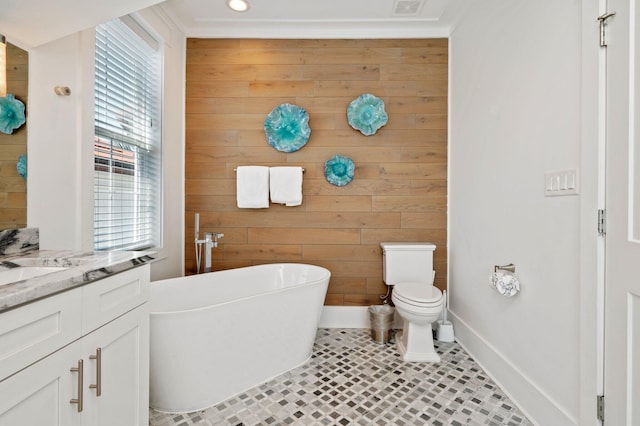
point(344, 317)
point(541, 409)
point(349, 317)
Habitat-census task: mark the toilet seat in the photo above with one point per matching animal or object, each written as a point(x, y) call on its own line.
point(418, 294)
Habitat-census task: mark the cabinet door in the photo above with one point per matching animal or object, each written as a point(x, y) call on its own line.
point(124, 371)
point(41, 394)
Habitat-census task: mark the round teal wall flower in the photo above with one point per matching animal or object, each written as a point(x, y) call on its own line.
point(287, 128)
point(339, 170)
point(21, 166)
point(366, 113)
point(11, 114)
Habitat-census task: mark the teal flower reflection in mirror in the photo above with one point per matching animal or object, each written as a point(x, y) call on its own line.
point(21, 166)
point(287, 128)
point(339, 170)
point(11, 114)
point(366, 113)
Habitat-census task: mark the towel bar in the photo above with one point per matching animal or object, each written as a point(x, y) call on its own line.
point(235, 170)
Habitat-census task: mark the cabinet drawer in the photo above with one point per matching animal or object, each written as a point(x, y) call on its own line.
point(31, 332)
point(111, 297)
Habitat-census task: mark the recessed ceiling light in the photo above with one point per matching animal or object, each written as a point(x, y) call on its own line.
point(238, 5)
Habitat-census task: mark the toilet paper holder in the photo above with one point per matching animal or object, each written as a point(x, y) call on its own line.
point(504, 280)
point(510, 267)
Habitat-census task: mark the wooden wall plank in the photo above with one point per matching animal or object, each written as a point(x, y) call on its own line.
point(353, 55)
point(281, 88)
point(343, 72)
point(431, 105)
point(358, 252)
point(251, 56)
point(244, 72)
point(214, 89)
point(303, 236)
point(414, 72)
point(435, 236)
point(354, 88)
point(431, 121)
point(357, 203)
point(423, 220)
point(212, 137)
point(348, 285)
point(399, 192)
point(409, 204)
point(271, 252)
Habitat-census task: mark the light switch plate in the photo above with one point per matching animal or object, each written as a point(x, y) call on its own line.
point(562, 182)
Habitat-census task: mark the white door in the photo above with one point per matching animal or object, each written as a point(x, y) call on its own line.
point(622, 276)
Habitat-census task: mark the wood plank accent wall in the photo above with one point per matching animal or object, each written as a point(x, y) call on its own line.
point(13, 189)
point(399, 192)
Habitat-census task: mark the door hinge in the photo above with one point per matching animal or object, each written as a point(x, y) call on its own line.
point(602, 222)
point(600, 407)
point(603, 22)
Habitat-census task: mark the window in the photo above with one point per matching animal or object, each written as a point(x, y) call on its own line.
point(127, 148)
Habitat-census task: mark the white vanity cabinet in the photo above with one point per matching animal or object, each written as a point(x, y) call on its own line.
point(80, 357)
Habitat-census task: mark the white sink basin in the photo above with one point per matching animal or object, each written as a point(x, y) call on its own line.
point(24, 272)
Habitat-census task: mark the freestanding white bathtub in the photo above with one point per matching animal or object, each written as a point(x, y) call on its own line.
point(218, 334)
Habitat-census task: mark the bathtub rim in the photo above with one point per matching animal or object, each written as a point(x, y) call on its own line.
point(326, 276)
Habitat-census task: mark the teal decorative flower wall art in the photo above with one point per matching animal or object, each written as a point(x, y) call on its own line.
point(339, 170)
point(11, 114)
point(366, 113)
point(21, 166)
point(287, 128)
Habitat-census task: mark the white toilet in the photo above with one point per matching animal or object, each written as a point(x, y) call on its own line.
point(409, 268)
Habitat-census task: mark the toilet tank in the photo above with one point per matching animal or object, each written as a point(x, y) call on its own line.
point(407, 262)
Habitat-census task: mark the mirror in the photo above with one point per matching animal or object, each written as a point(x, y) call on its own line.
point(13, 188)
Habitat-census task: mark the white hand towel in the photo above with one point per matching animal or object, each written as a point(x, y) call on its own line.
point(285, 184)
point(252, 185)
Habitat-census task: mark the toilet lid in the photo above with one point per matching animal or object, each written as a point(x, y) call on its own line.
point(418, 292)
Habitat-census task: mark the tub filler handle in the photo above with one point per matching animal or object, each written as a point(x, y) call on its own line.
point(210, 242)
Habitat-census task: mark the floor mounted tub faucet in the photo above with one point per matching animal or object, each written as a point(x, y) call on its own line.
point(210, 242)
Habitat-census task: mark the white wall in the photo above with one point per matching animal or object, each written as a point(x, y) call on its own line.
point(60, 166)
point(60, 163)
point(515, 113)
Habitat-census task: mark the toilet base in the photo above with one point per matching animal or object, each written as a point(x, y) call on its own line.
point(415, 343)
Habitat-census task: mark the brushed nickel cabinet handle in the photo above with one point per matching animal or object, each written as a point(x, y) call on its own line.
point(79, 369)
point(98, 385)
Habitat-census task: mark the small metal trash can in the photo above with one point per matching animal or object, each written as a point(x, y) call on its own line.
point(381, 318)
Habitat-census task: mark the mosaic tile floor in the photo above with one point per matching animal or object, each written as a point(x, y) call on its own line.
point(351, 380)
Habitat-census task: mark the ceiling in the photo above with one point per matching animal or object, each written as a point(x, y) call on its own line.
point(317, 18)
point(29, 23)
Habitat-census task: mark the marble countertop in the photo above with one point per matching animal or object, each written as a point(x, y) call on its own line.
point(82, 268)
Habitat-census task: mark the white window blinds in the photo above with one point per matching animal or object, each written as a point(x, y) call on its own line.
point(127, 170)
